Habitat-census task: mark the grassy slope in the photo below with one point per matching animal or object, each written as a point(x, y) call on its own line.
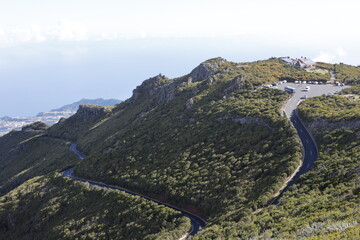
point(331, 108)
point(344, 73)
point(26, 154)
point(52, 207)
point(198, 155)
point(347, 73)
point(325, 203)
point(191, 156)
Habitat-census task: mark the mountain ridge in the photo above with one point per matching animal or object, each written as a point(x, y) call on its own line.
point(53, 116)
point(215, 141)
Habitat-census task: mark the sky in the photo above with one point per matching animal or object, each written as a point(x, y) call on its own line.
point(55, 52)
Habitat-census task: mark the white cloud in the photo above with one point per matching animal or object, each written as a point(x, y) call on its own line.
point(65, 30)
point(336, 55)
point(68, 30)
point(324, 57)
point(341, 53)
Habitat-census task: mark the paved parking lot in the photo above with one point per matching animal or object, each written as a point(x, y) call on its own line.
point(315, 90)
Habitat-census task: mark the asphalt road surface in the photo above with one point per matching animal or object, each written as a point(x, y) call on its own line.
point(196, 222)
point(300, 93)
point(309, 146)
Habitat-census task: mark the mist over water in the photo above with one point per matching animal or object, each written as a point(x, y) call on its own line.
point(40, 77)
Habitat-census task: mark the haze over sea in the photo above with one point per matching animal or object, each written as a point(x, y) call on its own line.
point(64, 50)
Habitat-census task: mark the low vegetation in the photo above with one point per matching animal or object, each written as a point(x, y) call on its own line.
point(347, 73)
point(325, 202)
point(332, 108)
point(213, 142)
point(28, 153)
point(54, 207)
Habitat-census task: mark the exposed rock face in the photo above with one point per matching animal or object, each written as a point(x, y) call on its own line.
point(207, 69)
point(235, 84)
point(36, 126)
point(189, 103)
point(320, 125)
point(159, 85)
point(245, 120)
point(148, 86)
point(90, 111)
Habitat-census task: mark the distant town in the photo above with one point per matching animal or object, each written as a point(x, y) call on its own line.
point(8, 124)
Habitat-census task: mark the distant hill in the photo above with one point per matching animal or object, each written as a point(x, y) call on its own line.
point(73, 107)
point(53, 116)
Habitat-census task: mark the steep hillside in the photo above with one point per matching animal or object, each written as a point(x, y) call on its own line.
point(325, 202)
point(213, 142)
point(210, 140)
point(53, 207)
point(28, 153)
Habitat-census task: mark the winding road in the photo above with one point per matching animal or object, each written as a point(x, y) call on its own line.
point(196, 222)
point(310, 151)
point(310, 154)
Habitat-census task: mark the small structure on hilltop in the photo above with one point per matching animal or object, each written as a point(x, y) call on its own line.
point(302, 62)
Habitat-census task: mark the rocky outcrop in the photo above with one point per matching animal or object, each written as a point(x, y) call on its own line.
point(320, 125)
point(148, 87)
point(245, 120)
point(162, 87)
point(87, 111)
point(189, 103)
point(36, 126)
point(235, 84)
point(207, 69)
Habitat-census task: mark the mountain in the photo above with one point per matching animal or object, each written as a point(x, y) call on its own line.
point(74, 106)
point(9, 123)
point(213, 143)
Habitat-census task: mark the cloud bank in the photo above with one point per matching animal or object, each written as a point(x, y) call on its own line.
point(336, 55)
point(64, 30)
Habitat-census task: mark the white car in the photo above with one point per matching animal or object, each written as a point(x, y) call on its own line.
point(307, 88)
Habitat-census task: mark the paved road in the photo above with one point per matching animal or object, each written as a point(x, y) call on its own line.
point(310, 150)
point(196, 221)
point(309, 146)
point(315, 90)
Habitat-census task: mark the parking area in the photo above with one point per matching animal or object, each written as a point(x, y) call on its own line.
point(301, 92)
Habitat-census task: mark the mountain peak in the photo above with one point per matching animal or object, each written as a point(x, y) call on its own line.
point(207, 69)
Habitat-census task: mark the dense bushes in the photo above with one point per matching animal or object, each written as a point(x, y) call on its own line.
point(331, 108)
point(325, 202)
point(347, 73)
point(222, 151)
point(28, 153)
point(53, 207)
point(218, 146)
